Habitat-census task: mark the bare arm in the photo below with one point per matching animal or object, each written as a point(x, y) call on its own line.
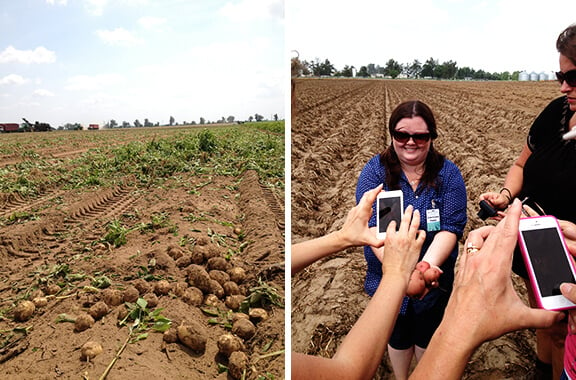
point(361, 352)
point(354, 232)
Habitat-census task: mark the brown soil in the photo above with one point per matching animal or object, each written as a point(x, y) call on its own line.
point(337, 126)
point(200, 214)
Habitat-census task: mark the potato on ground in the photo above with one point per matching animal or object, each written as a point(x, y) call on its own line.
point(218, 263)
point(237, 274)
point(112, 297)
point(220, 276)
point(244, 329)
point(258, 314)
point(170, 335)
point(233, 302)
point(199, 278)
point(40, 302)
point(178, 288)
point(184, 261)
point(98, 310)
point(175, 252)
point(228, 343)
point(216, 289)
point(151, 300)
point(83, 322)
point(231, 288)
point(142, 285)
point(237, 364)
point(131, 294)
point(162, 288)
point(24, 310)
point(193, 296)
point(193, 335)
point(90, 350)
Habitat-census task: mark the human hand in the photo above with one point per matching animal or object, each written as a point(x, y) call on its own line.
point(498, 200)
point(423, 278)
point(403, 246)
point(569, 291)
point(484, 304)
point(355, 231)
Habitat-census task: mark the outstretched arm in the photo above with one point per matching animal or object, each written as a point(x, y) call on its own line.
point(354, 232)
point(362, 350)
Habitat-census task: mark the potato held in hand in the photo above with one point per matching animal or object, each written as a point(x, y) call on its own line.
point(423, 278)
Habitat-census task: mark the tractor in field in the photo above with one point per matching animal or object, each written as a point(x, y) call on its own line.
point(36, 127)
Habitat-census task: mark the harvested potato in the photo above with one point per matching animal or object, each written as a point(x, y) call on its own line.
point(184, 261)
point(178, 288)
point(98, 310)
point(234, 302)
point(231, 288)
point(212, 250)
point(197, 256)
point(83, 322)
point(192, 334)
point(228, 343)
point(151, 300)
point(258, 315)
point(237, 364)
point(40, 301)
point(90, 350)
point(220, 276)
point(112, 297)
point(216, 289)
point(212, 300)
point(237, 316)
point(244, 328)
point(52, 289)
point(193, 296)
point(198, 277)
point(131, 294)
point(142, 286)
point(162, 288)
point(170, 335)
point(218, 263)
point(24, 310)
point(237, 274)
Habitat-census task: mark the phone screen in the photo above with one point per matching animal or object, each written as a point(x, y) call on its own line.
point(389, 209)
point(548, 260)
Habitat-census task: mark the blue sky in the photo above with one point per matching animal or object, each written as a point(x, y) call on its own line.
point(492, 35)
point(89, 61)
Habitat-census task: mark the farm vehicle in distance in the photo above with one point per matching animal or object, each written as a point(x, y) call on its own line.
point(36, 127)
point(9, 127)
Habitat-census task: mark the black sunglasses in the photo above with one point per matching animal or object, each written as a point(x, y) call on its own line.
point(568, 76)
point(403, 137)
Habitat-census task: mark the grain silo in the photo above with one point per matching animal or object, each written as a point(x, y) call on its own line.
point(542, 76)
point(523, 76)
point(533, 75)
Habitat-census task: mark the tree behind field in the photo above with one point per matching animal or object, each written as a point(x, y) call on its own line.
point(171, 120)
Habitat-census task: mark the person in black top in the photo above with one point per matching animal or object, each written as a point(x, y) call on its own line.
point(545, 172)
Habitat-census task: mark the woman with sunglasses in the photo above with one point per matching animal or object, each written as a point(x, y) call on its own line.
point(545, 173)
point(434, 186)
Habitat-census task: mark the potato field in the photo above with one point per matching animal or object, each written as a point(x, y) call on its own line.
point(337, 126)
point(143, 253)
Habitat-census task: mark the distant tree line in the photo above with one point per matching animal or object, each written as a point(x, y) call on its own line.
point(432, 68)
point(172, 122)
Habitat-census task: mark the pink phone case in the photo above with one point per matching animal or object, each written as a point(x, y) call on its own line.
point(530, 269)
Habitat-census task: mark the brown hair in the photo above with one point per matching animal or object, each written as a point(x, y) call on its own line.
point(566, 43)
point(434, 159)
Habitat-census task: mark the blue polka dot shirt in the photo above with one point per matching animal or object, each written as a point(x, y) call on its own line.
point(449, 198)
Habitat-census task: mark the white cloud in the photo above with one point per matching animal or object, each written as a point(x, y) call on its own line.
point(95, 7)
point(250, 10)
point(13, 79)
point(38, 55)
point(91, 83)
point(59, 2)
point(43, 93)
point(118, 37)
point(152, 22)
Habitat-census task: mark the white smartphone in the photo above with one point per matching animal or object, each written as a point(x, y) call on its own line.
point(547, 260)
point(389, 207)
